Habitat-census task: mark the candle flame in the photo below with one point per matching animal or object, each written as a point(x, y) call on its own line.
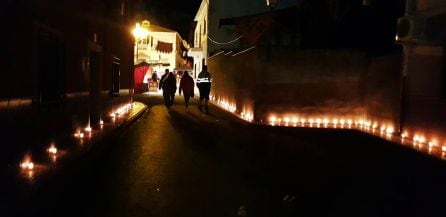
point(295, 120)
point(27, 164)
point(386, 129)
point(52, 149)
point(389, 130)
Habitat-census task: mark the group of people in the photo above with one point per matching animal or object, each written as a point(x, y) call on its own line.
point(168, 84)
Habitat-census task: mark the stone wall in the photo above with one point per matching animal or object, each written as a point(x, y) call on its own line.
point(311, 83)
point(305, 82)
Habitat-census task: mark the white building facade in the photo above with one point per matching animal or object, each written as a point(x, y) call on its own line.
point(161, 49)
point(199, 49)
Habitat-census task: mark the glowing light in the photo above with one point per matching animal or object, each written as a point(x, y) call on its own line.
point(140, 32)
point(404, 135)
point(349, 122)
point(318, 121)
point(311, 121)
point(443, 148)
point(286, 119)
point(27, 164)
point(422, 139)
point(101, 122)
point(272, 120)
point(326, 122)
point(88, 129)
point(302, 120)
point(79, 134)
point(295, 120)
point(389, 130)
point(432, 143)
point(335, 121)
point(52, 149)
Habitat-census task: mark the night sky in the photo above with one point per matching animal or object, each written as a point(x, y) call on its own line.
point(173, 14)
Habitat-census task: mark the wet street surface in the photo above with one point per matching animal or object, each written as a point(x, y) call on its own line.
point(184, 163)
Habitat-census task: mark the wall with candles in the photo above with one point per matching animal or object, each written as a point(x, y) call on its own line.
point(234, 80)
point(311, 82)
point(315, 82)
point(315, 85)
point(393, 91)
point(424, 68)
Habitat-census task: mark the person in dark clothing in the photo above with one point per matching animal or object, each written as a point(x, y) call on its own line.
point(169, 85)
point(163, 77)
point(204, 86)
point(187, 86)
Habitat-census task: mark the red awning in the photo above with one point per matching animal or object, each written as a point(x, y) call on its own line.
point(164, 47)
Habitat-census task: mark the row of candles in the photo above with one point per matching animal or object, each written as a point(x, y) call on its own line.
point(387, 131)
point(245, 114)
point(28, 167)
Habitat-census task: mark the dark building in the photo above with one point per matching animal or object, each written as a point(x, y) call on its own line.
point(422, 33)
point(54, 50)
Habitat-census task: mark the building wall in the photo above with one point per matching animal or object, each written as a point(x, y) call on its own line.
point(147, 50)
point(318, 82)
point(67, 27)
point(201, 31)
point(424, 72)
point(382, 89)
point(54, 50)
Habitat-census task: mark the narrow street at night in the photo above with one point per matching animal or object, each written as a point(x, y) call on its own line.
point(297, 108)
point(178, 163)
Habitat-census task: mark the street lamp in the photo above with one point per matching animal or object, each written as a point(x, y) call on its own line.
point(138, 33)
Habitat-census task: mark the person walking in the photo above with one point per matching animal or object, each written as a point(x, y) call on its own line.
point(187, 86)
point(204, 86)
point(169, 85)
